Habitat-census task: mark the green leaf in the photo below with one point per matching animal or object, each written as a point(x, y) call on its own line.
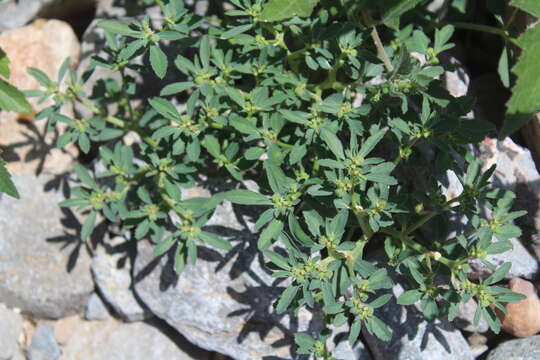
point(269, 233)
point(6, 184)
point(212, 145)
point(215, 241)
point(176, 88)
point(409, 297)
point(235, 31)
point(88, 226)
point(40, 76)
point(380, 329)
point(532, 7)
point(503, 68)
point(286, 299)
point(247, 197)
point(333, 143)
point(391, 10)
point(116, 27)
point(12, 99)
point(354, 331)
point(165, 108)
point(4, 64)
point(524, 100)
point(85, 176)
point(277, 10)
point(277, 260)
point(158, 61)
point(164, 246)
point(499, 274)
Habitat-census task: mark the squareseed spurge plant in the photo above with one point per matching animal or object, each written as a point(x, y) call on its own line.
point(348, 140)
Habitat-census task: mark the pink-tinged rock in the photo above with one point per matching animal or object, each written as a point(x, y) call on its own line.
point(522, 318)
point(44, 45)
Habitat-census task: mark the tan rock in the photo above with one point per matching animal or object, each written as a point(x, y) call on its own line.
point(44, 44)
point(65, 328)
point(522, 318)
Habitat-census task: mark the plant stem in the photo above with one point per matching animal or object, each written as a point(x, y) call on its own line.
point(487, 29)
point(377, 40)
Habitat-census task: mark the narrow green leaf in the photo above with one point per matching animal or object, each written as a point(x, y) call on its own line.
point(499, 274)
point(269, 233)
point(4, 64)
point(116, 27)
point(88, 226)
point(503, 68)
point(278, 260)
point(158, 61)
point(333, 143)
point(409, 297)
point(278, 10)
point(6, 184)
point(11, 99)
point(247, 197)
point(235, 31)
point(163, 246)
point(286, 298)
point(215, 241)
point(176, 88)
point(85, 176)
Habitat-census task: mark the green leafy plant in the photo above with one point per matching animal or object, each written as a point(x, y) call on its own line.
point(11, 99)
point(348, 140)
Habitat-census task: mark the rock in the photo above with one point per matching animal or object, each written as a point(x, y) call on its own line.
point(114, 9)
point(14, 14)
point(413, 337)
point(111, 339)
point(65, 328)
point(523, 264)
point(456, 79)
point(516, 171)
point(44, 267)
point(223, 303)
point(10, 331)
point(465, 318)
point(344, 351)
point(519, 349)
point(44, 345)
point(96, 309)
point(112, 275)
point(43, 45)
point(523, 318)
point(477, 343)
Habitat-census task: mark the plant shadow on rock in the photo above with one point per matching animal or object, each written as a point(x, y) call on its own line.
point(72, 226)
point(36, 142)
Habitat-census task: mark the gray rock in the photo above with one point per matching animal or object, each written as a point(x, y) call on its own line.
point(112, 339)
point(44, 346)
point(112, 274)
point(10, 329)
point(44, 268)
point(519, 349)
point(523, 263)
point(344, 351)
point(465, 318)
point(96, 309)
point(223, 303)
point(15, 14)
point(414, 338)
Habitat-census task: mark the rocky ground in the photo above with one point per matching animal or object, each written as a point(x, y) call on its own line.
point(62, 299)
